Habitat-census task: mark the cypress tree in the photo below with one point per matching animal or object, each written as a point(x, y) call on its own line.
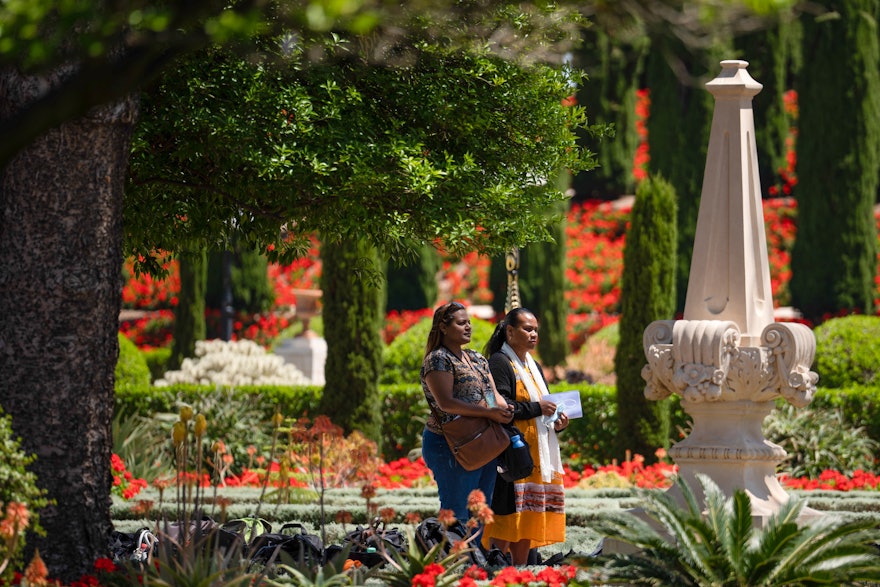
point(834, 259)
point(613, 59)
point(413, 285)
point(352, 301)
point(647, 294)
point(542, 290)
point(251, 289)
point(678, 133)
point(774, 55)
point(189, 315)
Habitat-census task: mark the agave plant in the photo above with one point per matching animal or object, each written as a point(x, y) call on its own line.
point(403, 567)
point(329, 576)
point(197, 560)
point(715, 544)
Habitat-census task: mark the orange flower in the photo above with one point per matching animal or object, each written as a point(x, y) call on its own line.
point(446, 517)
point(387, 515)
point(17, 513)
point(36, 572)
point(476, 500)
point(351, 564)
point(486, 515)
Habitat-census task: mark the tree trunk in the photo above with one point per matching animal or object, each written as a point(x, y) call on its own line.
point(60, 286)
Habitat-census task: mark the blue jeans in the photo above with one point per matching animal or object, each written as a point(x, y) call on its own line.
point(454, 483)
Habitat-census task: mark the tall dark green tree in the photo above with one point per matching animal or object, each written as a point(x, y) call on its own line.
point(542, 289)
point(647, 294)
point(834, 260)
point(678, 132)
point(774, 56)
point(613, 58)
point(352, 311)
point(249, 285)
point(412, 284)
point(189, 315)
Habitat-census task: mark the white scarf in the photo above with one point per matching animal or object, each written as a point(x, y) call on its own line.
point(548, 445)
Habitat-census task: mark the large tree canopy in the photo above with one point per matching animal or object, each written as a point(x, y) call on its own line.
point(108, 50)
point(454, 148)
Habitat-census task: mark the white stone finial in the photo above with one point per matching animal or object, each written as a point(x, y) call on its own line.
point(730, 275)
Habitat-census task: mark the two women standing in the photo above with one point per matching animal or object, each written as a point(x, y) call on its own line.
point(456, 381)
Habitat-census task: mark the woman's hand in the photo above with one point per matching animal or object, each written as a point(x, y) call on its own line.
point(501, 414)
point(561, 423)
point(548, 408)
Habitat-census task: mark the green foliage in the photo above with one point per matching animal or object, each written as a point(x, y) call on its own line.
point(248, 280)
point(586, 441)
point(397, 155)
point(694, 542)
point(141, 429)
point(18, 484)
point(413, 286)
point(402, 359)
point(773, 54)
point(834, 259)
point(131, 367)
point(647, 294)
point(157, 361)
point(542, 289)
point(352, 320)
point(405, 412)
point(614, 61)
point(302, 576)
point(817, 440)
point(189, 315)
point(848, 351)
point(859, 404)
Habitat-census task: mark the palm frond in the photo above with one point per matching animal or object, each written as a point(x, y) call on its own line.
point(686, 545)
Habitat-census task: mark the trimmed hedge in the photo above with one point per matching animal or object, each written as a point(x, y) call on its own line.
point(131, 366)
point(587, 441)
point(848, 351)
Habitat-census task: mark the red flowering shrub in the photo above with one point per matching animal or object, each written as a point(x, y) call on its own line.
point(125, 484)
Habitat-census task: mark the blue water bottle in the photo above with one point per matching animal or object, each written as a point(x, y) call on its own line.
point(516, 441)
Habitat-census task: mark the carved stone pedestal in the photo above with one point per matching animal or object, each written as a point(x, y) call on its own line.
point(727, 359)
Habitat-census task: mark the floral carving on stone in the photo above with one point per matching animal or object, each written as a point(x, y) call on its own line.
point(700, 360)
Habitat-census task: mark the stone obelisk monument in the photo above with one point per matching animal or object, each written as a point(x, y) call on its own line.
point(727, 358)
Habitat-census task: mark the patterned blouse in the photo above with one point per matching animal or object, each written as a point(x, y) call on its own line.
point(468, 384)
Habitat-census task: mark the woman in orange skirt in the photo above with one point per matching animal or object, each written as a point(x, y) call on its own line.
point(530, 512)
